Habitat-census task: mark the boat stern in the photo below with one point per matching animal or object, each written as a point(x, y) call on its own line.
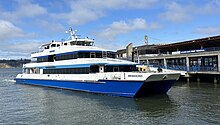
point(157, 84)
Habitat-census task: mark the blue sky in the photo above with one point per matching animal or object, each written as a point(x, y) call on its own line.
point(26, 24)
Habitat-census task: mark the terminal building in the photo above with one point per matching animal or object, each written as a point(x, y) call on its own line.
point(198, 56)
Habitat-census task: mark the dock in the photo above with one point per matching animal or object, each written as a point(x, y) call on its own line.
point(198, 58)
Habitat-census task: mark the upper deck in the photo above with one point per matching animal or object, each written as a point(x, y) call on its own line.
point(71, 45)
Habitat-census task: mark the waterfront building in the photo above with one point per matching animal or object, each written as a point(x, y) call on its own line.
point(194, 56)
point(197, 54)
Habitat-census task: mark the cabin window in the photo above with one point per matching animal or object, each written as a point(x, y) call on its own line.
point(123, 68)
point(51, 58)
point(65, 44)
point(82, 43)
point(83, 54)
point(92, 55)
point(108, 69)
point(58, 45)
point(94, 69)
point(88, 43)
point(73, 43)
point(53, 45)
point(98, 54)
point(84, 70)
point(111, 55)
point(115, 69)
point(42, 59)
point(104, 54)
point(46, 47)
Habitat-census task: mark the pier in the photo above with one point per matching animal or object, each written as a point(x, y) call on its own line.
point(199, 58)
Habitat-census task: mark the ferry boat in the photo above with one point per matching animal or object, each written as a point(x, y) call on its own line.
point(77, 64)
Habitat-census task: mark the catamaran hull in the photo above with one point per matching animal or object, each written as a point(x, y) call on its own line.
point(110, 87)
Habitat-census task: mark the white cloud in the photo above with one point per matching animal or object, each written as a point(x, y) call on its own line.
point(83, 11)
point(113, 4)
point(176, 13)
point(9, 31)
point(24, 9)
point(207, 30)
point(123, 27)
point(28, 9)
point(210, 8)
point(50, 26)
point(11, 38)
point(19, 49)
point(24, 47)
point(182, 12)
point(79, 16)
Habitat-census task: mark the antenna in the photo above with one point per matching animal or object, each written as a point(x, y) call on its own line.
point(72, 33)
point(146, 39)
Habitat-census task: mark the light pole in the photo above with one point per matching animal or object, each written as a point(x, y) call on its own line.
point(137, 55)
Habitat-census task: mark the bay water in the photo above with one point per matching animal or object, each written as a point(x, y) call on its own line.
point(184, 104)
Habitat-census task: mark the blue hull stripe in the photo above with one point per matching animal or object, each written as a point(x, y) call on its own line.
point(116, 88)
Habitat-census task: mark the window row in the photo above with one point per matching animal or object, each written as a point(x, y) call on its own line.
point(92, 69)
point(76, 55)
point(67, 71)
point(127, 68)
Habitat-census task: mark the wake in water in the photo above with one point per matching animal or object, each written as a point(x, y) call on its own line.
point(9, 80)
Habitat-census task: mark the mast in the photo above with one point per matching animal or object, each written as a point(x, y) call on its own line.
point(72, 33)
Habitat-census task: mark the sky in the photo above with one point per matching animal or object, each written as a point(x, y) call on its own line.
point(26, 24)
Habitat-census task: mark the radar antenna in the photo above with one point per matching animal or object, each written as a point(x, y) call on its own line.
point(72, 33)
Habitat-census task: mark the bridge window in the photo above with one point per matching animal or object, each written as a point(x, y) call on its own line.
point(53, 45)
point(82, 43)
point(73, 43)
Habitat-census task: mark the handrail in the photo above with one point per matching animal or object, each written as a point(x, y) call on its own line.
point(190, 68)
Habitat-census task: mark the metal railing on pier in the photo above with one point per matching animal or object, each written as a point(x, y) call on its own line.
point(190, 68)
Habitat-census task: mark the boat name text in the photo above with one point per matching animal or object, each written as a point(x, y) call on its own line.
point(135, 75)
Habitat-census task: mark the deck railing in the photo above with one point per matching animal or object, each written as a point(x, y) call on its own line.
point(190, 68)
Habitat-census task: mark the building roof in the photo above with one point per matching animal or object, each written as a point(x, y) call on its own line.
point(207, 42)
